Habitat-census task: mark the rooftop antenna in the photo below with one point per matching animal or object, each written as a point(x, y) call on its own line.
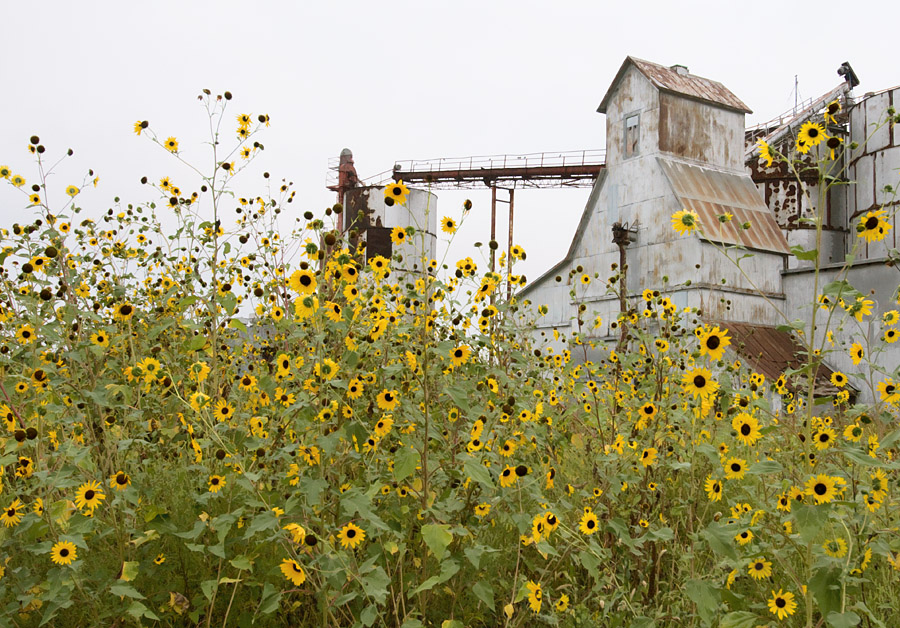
point(796, 94)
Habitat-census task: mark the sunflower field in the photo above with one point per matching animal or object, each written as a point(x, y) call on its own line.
point(222, 424)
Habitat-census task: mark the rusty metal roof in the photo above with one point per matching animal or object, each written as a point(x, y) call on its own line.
point(771, 352)
point(688, 85)
point(711, 193)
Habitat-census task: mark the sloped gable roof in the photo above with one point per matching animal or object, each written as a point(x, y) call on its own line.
point(687, 85)
point(711, 193)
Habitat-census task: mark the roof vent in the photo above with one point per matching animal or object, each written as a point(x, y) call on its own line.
point(680, 69)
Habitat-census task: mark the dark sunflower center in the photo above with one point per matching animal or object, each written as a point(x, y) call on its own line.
point(64, 552)
point(735, 467)
point(396, 191)
point(305, 280)
point(458, 353)
point(351, 533)
point(824, 438)
point(833, 142)
point(745, 429)
point(780, 602)
point(699, 381)
point(389, 397)
point(758, 566)
point(125, 310)
point(813, 132)
point(713, 343)
point(89, 495)
point(121, 479)
point(590, 524)
point(820, 489)
point(871, 223)
point(648, 409)
point(11, 512)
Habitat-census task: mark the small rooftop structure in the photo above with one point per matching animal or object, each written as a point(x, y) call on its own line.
point(677, 80)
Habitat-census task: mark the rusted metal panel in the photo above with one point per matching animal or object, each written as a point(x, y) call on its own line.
point(771, 352)
point(689, 85)
point(378, 242)
point(711, 193)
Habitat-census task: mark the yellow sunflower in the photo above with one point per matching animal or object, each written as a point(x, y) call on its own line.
point(89, 496)
point(63, 553)
point(293, 571)
point(811, 134)
point(459, 355)
point(398, 235)
point(713, 342)
point(12, 514)
point(782, 604)
point(684, 221)
point(699, 382)
point(171, 145)
point(387, 400)
point(760, 568)
point(873, 227)
point(395, 193)
point(448, 225)
point(765, 152)
point(351, 536)
point(589, 523)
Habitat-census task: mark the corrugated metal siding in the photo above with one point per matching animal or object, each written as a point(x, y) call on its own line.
point(772, 352)
point(711, 193)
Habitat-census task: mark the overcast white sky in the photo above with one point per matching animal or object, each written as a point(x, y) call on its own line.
point(393, 81)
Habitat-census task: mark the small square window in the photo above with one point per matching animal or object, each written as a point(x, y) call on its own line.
point(632, 134)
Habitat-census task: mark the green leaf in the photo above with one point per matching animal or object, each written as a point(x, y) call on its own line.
point(705, 596)
point(208, 587)
point(126, 590)
point(825, 585)
point(452, 623)
point(437, 538)
point(720, 540)
point(843, 620)
point(478, 472)
point(802, 254)
point(810, 520)
point(138, 610)
point(241, 562)
point(739, 619)
point(460, 397)
point(266, 520)
point(485, 593)
point(195, 343)
point(375, 584)
point(474, 553)
point(129, 570)
point(237, 324)
point(270, 599)
point(861, 458)
point(765, 466)
point(405, 463)
point(369, 615)
point(663, 534)
point(448, 570)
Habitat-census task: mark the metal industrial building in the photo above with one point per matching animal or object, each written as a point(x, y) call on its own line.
point(679, 141)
